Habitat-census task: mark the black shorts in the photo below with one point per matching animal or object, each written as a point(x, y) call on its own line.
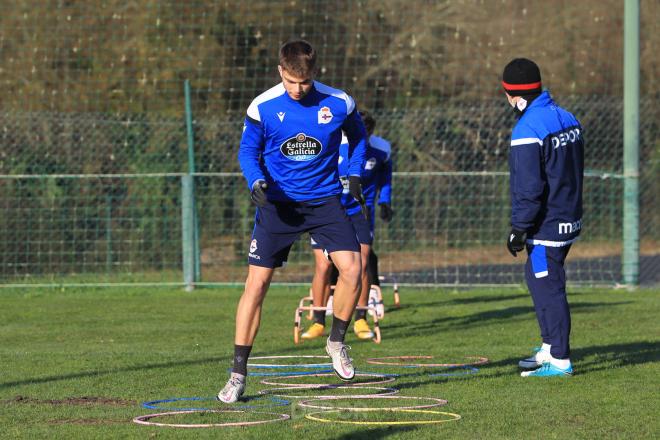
point(362, 230)
point(278, 225)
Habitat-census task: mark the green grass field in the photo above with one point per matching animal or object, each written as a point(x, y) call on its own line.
point(78, 363)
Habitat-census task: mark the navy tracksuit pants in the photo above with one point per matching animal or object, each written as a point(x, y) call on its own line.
point(546, 280)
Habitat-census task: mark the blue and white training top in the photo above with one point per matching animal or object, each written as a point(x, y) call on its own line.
point(376, 176)
point(546, 162)
point(294, 145)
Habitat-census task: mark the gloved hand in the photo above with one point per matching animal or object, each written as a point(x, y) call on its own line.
point(516, 241)
point(258, 193)
point(386, 212)
point(355, 189)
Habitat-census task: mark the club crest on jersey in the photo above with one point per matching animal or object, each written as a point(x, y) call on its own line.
point(370, 164)
point(325, 115)
point(301, 148)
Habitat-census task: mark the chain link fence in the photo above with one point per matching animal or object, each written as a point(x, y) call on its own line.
point(93, 141)
point(119, 218)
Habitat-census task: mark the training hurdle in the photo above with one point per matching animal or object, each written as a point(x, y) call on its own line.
point(374, 288)
point(297, 328)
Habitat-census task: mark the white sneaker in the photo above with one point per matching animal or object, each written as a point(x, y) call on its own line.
point(537, 359)
point(233, 390)
point(341, 363)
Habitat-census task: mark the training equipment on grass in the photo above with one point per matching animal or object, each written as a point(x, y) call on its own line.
point(266, 365)
point(144, 420)
point(404, 361)
point(454, 417)
point(467, 370)
point(284, 373)
point(155, 404)
point(384, 379)
point(297, 328)
point(279, 392)
point(435, 402)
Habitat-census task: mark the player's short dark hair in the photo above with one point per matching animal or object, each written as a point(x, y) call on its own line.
point(298, 57)
point(368, 120)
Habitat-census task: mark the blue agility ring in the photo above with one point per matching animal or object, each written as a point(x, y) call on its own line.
point(309, 365)
point(155, 404)
point(285, 373)
point(466, 372)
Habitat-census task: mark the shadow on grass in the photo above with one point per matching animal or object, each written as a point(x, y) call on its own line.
point(480, 318)
point(376, 433)
point(81, 374)
point(585, 360)
point(457, 301)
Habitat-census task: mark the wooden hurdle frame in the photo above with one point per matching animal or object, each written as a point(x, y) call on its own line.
point(297, 328)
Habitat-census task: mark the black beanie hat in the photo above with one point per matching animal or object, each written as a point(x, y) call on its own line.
point(522, 77)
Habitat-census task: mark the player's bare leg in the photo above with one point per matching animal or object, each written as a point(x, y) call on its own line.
point(248, 313)
point(360, 326)
point(347, 291)
point(320, 293)
point(248, 318)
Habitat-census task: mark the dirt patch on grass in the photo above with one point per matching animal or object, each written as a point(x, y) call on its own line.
point(84, 400)
point(85, 422)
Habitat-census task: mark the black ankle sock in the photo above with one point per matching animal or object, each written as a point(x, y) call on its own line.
point(360, 314)
point(319, 317)
point(241, 354)
point(339, 328)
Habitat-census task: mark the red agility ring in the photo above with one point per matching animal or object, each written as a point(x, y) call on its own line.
point(384, 379)
point(281, 392)
point(404, 361)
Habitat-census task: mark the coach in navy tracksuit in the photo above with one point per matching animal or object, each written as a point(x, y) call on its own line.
point(546, 163)
point(288, 154)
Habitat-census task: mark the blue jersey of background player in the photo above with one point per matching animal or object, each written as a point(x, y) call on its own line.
point(376, 175)
point(288, 153)
point(546, 163)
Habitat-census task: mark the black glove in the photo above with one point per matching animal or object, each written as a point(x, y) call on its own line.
point(386, 212)
point(516, 241)
point(355, 189)
point(258, 194)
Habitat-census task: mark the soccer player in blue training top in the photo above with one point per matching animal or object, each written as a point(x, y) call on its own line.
point(376, 178)
point(546, 163)
point(288, 155)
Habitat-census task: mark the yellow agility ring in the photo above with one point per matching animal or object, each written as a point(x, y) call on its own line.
point(453, 417)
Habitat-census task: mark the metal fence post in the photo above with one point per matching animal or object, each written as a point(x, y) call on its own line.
point(191, 170)
point(187, 231)
point(630, 258)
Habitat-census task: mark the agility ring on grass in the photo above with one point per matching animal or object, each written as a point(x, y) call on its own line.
point(406, 361)
point(280, 392)
point(435, 402)
point(145, 420)
point(384, 379)
point(453, 417)
point(156, 404)
point(288, 373)
point(284, 373)
point(467, 371)
point(265, 365)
